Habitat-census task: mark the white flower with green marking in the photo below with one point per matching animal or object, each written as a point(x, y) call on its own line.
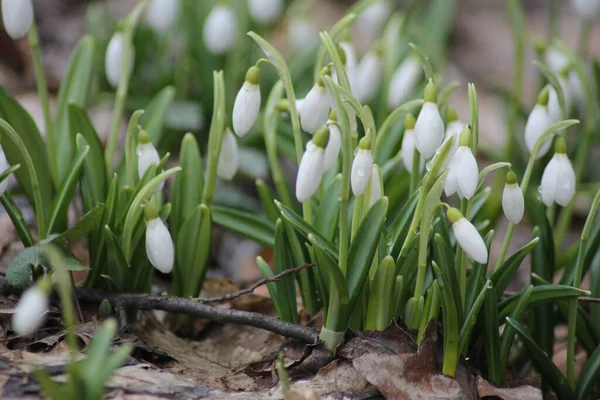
point(334, 145)
point(513, 201)
point(467, 236)
point(429, 128)
point(558, 179)
point(463, 174)
point(408, 145)
point(247, 103)
point(368, 76)
point(362, 166)
point(312, 166)
point(315, 108)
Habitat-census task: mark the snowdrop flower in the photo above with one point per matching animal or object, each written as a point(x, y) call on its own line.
point(348, 53)
point(229, 157)
point(30, 312)
point(403, 82)
point(334, 144)
point(361, 167)
point(220, 29)
point(587, 9)
point(538, 121)
point(368, 76)
point(463, 174)
point(162, 14)
point(17, 17)
point(372, 19)
point(555, 59)
point(302, 33)
point(429, 128)
point(558, 179)
point(159, 245)
point(311, 168)
point(454, 126)
point(467, 236)
point(554, 105)
point(408, 144)
point(4, 165)
point(247, 103)
point(265, 12)
point(513, 202)
point(315, 108)
point(113, 63)
point(147, 157)
point(376, 185)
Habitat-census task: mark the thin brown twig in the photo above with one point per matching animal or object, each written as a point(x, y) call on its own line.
point(264, 281)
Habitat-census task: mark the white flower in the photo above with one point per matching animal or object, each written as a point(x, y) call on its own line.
point(247, 103)
point(315, 109)
point(371, 21)
point(30, 312)
point(265, 12)
point(302, 33)
point(429, 128)
point(538, 121)
point(147, 156)
point(587, 9)
point(350, 65)
point(576, 89)
point(310, 172)
point(407, 150)
point(220, 29)
point(159, 245)
point(17, 17)
point(4, 165)
point(162, 14)
point(454, 128)
point(513, 202)
point(368, 77)
point(229, 157)
point(463, 174)
point(554, 105)
point(403, 82)
point(556, 59)
point(333, 146)
point(468, 237)
point(113, 63)
point(361, 168)
point(558, 179)
point(376, 185)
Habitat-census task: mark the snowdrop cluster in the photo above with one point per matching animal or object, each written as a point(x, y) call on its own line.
point(17, 17)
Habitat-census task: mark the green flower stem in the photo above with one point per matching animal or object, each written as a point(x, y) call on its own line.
point(461, 257)
point(576, 282)
point(584, 39)
point(42, 88)
point(517, 23)
point(415, 175)
point(35, 184)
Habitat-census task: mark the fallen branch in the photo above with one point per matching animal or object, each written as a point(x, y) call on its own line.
point(180, 305)
point(264, 281)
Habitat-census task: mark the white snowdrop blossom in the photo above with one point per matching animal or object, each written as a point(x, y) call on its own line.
point(538, 121)
point(368, 76)
point(555, 59)
point(302, 33)
point(361, 167)
point(467, 236)
point(454, 126)
point(429, 128)
point(113, 62)
point(147, 157)
point(463, 174)
point(403, 82)
point(558, 179)
point(265, 12)
point(162, 14)
point(407, 150)
point(315, 108)
point(229, 157)
point(4, 165)
point(17, 17)
point(159, 244)
point(247, 103)
point(334, 144)
point(30, 312)
point(350, 64)
point(553, 103)
point(376, 185)
point(587, 9)
point(220, 29)
point(371, 21)
point(513, 201)
point(311, 168)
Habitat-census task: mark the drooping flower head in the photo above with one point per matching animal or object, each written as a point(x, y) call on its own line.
point(463, 175)
point(30, 312)
point(315, 108)
point(302, 33)
point(538, 121)
point(247, 102)
point(311, 168)
point(558, 179)
point(220, 29)
point(454, 126)
point(368, 75)
point(429, 128)
point(229, 156)
point(467, 236)
point(159, 245)
point(147, 154)
point(334, 144)
point(403, 82)
point(553, 102)
point(362, 166)
point(265, 12)
point(162, 14)
point(513, 201)
point(115, 57)
point(408, 145)
point(372, 20)
point(17, 17)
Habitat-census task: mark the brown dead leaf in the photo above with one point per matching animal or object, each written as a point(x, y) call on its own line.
point(486, 389)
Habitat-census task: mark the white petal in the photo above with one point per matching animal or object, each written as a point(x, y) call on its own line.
point(17, 17)
point(537, 122)
point(4, 165)
point(162, 14)
point(333, 146)
point(310, 172)
point(113, 63)
point(470, 240)
point(565, 181)
point(429, 130)
point(265, 11)
point(587, 9)
point(513, 203)
point(554, 105)
point(467, 173)
point(361, 171)
point(371, 21)
point(549, 182)
point(315, 109)
point(408, 151)
point(159, 246)
point(351, 63)
point(368, 77)
point(376, 185)
point(449, 157)
point(30, 312)
point(454, 128)
point(556, 59)
point(451, 183)
point(220, 29)
point(147, 156)
point(301, 33)
point(246, 108)
point(229, 157)
point(403, 82)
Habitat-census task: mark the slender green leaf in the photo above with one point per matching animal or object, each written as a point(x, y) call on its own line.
point(89, 222)
point(14, 212)
point(156, 112)
point(472, 317)
point(267, 200)
point(118, 268)
point(325, 221)
point(477, 277)
point(6, 173)
point(284, 261)
point(504, 274)
point(396, 233)
point(450, 324)
point(245, 223)
point(589, 375)
point(425, 62)
point(540, 295)
point(491, 337)
point(331, 270)
point(509, 332)
point(445, 259)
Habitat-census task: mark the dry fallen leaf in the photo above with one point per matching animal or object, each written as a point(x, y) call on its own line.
point(486, 390)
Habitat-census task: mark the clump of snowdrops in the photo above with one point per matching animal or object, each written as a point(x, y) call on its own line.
point(390, 200)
